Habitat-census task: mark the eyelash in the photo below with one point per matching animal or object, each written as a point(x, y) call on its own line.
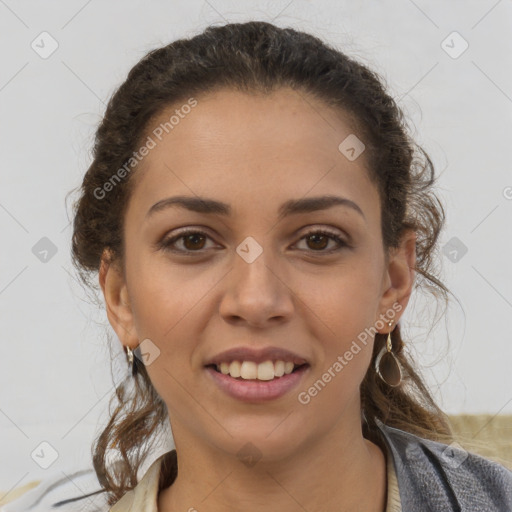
point(166, 243)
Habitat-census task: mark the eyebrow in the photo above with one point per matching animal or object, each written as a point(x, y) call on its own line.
point(291, 207)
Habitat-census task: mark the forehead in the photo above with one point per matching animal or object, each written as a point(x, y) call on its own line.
point(242, 147)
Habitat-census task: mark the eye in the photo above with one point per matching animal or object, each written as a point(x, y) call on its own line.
point(320, 239)
point(194, 241)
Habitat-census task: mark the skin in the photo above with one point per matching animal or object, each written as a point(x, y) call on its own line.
point(235, 147)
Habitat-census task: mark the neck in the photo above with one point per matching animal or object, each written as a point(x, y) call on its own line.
point(338, 472)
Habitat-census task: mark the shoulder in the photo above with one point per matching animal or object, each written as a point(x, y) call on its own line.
point(434, 476)
point(67, 491)
point(144, 495)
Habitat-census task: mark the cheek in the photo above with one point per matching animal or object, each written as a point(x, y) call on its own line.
point(164, 294)
point(171, 308)
point(344, 299)
point(168, 308)
point(341, 309)
point(339, 315)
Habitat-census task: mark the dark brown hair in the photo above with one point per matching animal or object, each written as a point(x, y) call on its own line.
point(257, 57)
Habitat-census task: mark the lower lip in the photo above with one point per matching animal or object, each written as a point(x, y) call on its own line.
point(257, 390)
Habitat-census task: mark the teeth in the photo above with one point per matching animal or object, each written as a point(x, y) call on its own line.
point(224, 368)
point(279, 368)
point(250, 370)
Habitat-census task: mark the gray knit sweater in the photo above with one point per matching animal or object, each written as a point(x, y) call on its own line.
point(434, 477)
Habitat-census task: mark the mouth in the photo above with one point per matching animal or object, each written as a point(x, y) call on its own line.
point(255, 390)
point(296, 368)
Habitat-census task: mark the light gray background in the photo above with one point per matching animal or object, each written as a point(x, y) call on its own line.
point(55, 378)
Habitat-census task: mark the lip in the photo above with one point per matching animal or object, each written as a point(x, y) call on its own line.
point(256, 355)
point(253, 390)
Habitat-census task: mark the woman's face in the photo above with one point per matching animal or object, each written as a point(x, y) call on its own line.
point(253, 278)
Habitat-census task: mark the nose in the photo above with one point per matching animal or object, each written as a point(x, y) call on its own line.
point(257, 293)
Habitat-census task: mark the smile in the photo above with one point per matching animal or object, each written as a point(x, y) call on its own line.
point(247, 386)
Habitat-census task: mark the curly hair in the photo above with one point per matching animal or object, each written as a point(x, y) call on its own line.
point(257, 57)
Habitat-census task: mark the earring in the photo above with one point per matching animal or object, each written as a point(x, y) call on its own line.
point(131, 360)
point(387, 366)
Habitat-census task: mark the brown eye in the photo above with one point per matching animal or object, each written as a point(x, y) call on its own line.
point(191, 241)
point(318, 240)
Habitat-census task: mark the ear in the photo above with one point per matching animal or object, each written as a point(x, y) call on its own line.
point(117, 302)
point(398, 279)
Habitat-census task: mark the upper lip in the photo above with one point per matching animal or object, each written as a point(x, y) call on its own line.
point(256, 355)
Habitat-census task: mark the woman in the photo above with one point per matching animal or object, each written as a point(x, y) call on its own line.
point(258, 217)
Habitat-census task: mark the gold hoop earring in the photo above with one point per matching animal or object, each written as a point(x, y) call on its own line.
point(387, 365)
point(131, 360)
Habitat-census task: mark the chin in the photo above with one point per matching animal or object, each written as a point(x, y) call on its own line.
point(257, 445)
